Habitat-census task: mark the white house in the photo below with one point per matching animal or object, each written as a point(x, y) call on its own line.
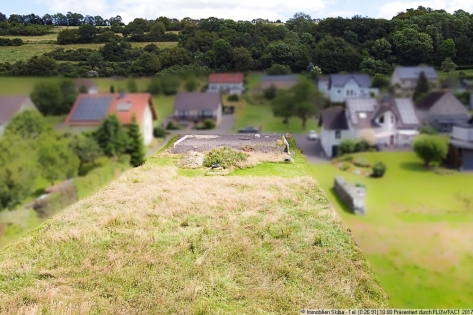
point(89, 110)
point(88, 84)
point(386, 122)
point(11, 105)
point(406, 77)
point(226, 82)
point(339, 87)
point(461, 146)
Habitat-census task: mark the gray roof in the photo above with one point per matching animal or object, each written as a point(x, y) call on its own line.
point(364, 111)
point(197, 101)
point(412, 73)
point(339, 80)
point(282, 77)
point(9, 105)
point(333, 118)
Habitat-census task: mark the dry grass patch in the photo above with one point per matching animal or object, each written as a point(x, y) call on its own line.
point(156, 242)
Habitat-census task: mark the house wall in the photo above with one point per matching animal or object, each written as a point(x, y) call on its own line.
point(323, 86)
point(408, 84)
point(463, 133)
point(147, 126)
point(27, 105)
point(196, 115)
point(328, 139)
point(350, 90)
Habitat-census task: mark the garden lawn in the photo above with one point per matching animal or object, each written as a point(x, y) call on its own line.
point(256, 115)
point(417, 231)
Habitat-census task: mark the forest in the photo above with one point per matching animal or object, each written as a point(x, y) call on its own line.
point(416, 36)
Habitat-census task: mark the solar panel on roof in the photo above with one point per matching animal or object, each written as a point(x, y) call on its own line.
point(123, 107)
point(406, 110)
point(91, 109)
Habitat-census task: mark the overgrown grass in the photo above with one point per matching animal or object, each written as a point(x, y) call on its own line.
point(39, 47)
point(157, 240)
point(417, 230)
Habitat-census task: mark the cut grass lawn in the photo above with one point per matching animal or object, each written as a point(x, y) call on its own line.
point(176, 242)
point(256, 115)
point(417, 232)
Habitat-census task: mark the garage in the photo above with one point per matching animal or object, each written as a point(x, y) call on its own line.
point(468, 160)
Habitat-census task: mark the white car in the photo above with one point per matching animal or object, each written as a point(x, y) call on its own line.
point(312, 135)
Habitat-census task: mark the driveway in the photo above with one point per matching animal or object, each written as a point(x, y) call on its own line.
point(312, 150)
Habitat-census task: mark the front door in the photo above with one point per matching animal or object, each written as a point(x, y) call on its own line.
point(391, 140)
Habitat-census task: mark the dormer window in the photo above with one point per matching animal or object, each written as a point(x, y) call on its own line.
point(362, 115)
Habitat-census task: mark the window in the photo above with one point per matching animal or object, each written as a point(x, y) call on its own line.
point(381, 119)
point(183, 113)
point(362, 115)
point(392, 119)
point(206, 113)
point(338, 134)
point(339, 91)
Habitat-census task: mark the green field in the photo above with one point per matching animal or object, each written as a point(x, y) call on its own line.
point(417, 232)
point(37, 46)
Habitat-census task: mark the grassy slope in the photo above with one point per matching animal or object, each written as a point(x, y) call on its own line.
point(417, 233)
point(172, 240)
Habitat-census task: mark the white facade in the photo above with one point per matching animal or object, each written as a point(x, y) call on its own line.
point(349, 90)
point(331, 138)
point(464, 133)
point(231, 88)
point(147, 126)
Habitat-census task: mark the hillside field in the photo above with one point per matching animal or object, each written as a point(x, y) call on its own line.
point(263, 240)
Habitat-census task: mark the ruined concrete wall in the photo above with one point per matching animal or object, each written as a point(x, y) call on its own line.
point(352, 196)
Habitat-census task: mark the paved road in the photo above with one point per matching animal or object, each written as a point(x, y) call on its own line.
point(312, 150)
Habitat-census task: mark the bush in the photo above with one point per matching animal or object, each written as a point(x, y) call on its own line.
point(159, 132)
point(361, 162)
point(270, 92)
point(430, 148)
point(209, 124)
point(378, 170)
point(344, 166)
point(362, 146)
point(233, 98)
point(225, 156)
point(346, 146)
point(172, 126)
point(428, 130)
point(346, 158)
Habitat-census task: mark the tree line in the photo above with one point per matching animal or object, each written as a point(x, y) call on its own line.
point(363, 44)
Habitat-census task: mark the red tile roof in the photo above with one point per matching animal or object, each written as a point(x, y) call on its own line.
point(226, 78)
point(136, 101)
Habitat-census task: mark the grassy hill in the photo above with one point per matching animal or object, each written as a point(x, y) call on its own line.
point(263, 240)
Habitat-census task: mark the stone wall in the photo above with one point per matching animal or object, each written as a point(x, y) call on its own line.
point(352, 196)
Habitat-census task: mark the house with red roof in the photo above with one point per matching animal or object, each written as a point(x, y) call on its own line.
point(89, 110)
point(11, 105)
point(226, 82)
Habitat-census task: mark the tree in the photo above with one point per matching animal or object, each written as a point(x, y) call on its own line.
point(430, 148)
point(190, 83)
point(282, 106)
point(271, 92)
point(69, 95)
point(85, 148)
point(448, 65)
point(242, 59)
point(95, 60)
point(278, 69)
point(135, 147)
point(371, 66)
point(40, 66)
point(155, 86)
point(447, 49)
point(111, 137)
point(412, 47)
point(112, 89)
point(17, 170)
point(303, 93)
point(68, 36)
point(381, 49)
point(56, 158)
point(48, 98)
point(422, 87)
point(87, 33)
point(28, 124)
point(131, 86)
point(146, 64)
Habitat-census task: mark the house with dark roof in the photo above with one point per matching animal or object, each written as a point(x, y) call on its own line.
point(226, 82)
point(339, 87)
point(11, 105)
point(89, 110)
point(460, 154)
point(386, 122)
point(87, 84)
point(406, 77)
point(282, 81)
point(442, 110)
point(196, 107)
